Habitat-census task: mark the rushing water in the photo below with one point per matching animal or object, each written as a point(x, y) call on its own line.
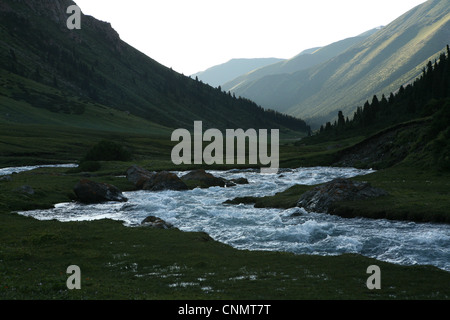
point(245, 227)
point(11, 170)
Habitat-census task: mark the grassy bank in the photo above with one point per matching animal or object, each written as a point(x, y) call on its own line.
point(123, 263)
point(414, 195)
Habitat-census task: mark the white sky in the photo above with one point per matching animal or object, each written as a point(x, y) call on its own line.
point(193, 35)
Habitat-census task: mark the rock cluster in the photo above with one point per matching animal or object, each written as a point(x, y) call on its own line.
point(90, 192)
point(155, 222)
point(322, 198)
point(202, 179)
point(158, 181)
point(154, 181)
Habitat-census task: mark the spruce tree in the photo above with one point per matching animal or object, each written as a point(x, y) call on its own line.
point(341, 121)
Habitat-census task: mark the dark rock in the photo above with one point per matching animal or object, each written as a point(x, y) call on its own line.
point(139, 176)
point(241, 200)
point(322, 198)
point(296, 213)
point(164, 181)
point(154, 181)
point(93, 192)
point(25, 190)
point(229, 183)
point(202, 179)
point(240, 181)
point(155, 222)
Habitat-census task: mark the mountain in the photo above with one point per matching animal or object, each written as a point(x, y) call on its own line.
point(380, 64)
point(304, 60)
point(223, 73)
point(411, 124)
point(51, 74)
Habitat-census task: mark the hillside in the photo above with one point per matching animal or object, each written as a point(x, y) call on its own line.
point(53, 74)
point(412, 123)
point(404, 137)
point(223, 73)
point(392, 57)
point(304, 60)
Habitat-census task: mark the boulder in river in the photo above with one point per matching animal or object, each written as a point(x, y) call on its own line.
point(90, 192)
point(164, 180)
point(240, 181)
point(155, 222)
point(323, 197)
point(138, 176)
point(154, 181)
point(202, 179)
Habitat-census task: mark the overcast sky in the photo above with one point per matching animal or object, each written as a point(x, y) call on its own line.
point(193, 35)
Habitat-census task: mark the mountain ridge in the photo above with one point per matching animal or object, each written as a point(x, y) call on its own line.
point(220, 74)
point(95, 65)
point(380, 64)
point(304, 60)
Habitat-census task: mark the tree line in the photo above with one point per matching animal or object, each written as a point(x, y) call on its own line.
point(421, 98)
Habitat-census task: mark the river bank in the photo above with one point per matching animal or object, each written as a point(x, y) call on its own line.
point(413, 195)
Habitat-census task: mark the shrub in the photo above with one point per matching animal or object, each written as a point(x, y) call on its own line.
point(90, 166)
point(107, 151)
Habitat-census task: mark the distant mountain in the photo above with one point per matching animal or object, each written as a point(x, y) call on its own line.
point(304, 60)
point(45, 67)
point(380, 64)
point(220, 74)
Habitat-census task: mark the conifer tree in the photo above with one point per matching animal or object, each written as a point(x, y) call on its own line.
point(341, 120)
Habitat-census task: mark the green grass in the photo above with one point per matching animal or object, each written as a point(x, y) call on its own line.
point(37, 144)
point(16, 108)
point(414, 195)
point(51, 186)
point(310, 152)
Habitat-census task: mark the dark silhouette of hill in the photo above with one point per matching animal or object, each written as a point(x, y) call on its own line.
point(50, 67)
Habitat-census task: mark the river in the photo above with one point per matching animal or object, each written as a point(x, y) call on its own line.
point(246, 227)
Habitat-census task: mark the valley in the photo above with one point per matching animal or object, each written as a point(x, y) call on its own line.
point(103, 106)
